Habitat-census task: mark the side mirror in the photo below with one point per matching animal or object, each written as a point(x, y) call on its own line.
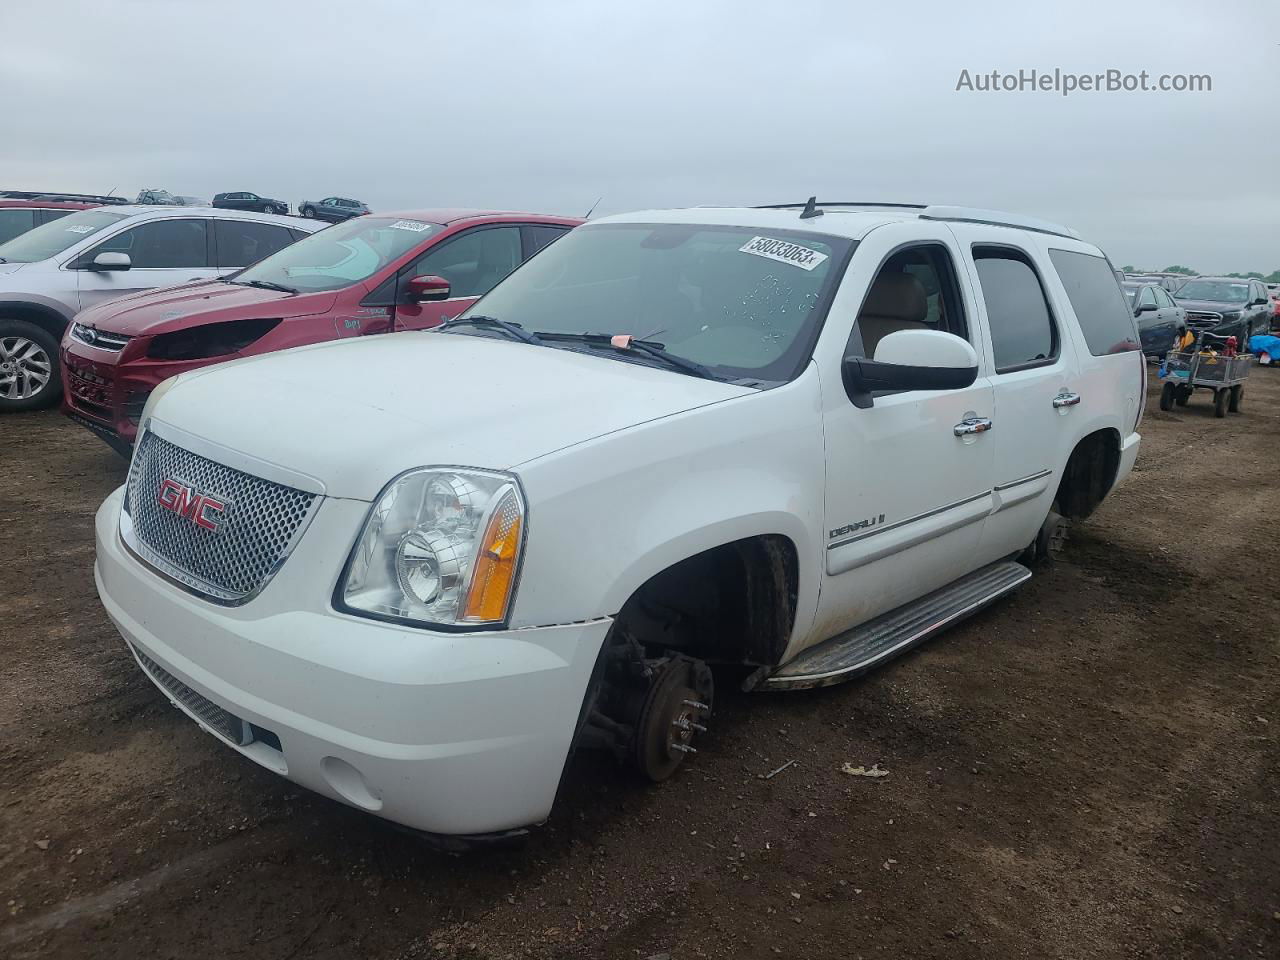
point(426, 289)
point(1144, 308)
point(911, 360)
point(1260, 303)
point(111, 261)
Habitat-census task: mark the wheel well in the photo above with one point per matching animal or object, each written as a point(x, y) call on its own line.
point(43, 317)
point(734, 603)
point(1090, 473)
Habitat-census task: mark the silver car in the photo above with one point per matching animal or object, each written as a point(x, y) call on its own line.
point(51, 273)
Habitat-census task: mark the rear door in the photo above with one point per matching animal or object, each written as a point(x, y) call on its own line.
point(1034, 380)
point(473, 262)
point(163, 253)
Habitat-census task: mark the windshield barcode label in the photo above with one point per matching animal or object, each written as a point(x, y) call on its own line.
point(784, 251)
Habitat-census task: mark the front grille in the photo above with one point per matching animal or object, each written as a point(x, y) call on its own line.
point(254, 526)
point(1203, 320)
point(98, 338)
point(210, 714)
point(90, 393)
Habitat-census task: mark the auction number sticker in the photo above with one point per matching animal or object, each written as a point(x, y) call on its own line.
point(784, 251)
point(79, 228)
point(412, 225)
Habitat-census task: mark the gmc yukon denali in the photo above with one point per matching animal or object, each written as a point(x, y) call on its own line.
point(413, 573)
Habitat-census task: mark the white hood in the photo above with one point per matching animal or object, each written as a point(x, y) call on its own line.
point(356, 413)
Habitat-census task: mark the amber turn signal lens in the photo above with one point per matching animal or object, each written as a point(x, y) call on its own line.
point(494, 576)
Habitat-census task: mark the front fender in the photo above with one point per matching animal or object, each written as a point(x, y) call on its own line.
point(608, 514)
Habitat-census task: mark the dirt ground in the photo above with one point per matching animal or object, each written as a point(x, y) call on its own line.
point(1088, 769)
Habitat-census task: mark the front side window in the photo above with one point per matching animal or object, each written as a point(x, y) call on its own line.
point(15, 221)
point(160, 245)
point(341, 255)
point(242, 242)
point(1148, 298)
point(747, 303)
point(915, 289)
point(1224, 291)
point(1022, 330)
point(50, 239)
point(474, 262)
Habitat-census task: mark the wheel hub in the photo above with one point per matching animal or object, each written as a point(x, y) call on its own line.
point(25, 368)
point(676, 708)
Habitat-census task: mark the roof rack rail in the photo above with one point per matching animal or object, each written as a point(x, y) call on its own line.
point(841, 203)
point(997, 218)
point(58, 195)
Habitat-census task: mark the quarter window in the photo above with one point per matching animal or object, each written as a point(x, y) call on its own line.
point(1099, 308)
point(541, 235)
point(242, 242)
point(1022, 330)
point(161, 244)
point(474, 262)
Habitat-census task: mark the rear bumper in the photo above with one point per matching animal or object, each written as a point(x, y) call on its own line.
point(455, 734)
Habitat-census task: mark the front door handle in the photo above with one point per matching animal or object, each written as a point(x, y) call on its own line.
point(1065, 399)
point(972, 425)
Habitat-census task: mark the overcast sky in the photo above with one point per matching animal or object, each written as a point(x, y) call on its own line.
point(548, 105)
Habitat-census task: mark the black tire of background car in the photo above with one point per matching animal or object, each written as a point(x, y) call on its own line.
point(52, 390)
point(1221, 398)
point(1237, 398)
point(1167, 393)
point(308, 212)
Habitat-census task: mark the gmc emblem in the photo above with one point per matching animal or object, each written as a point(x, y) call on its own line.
point(203, 509)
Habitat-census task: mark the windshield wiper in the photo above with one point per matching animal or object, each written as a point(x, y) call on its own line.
point(512, 330)
point(647, 348)
point(265, 285)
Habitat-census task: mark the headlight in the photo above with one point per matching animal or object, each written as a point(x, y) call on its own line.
point(440, 547)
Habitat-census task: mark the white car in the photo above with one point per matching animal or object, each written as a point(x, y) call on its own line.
point(51, 273)
point(413, 572)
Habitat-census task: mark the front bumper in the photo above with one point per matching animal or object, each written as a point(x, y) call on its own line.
point(1129, 448)
point(457, 734)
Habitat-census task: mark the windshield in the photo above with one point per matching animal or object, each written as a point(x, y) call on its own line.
point(1222, 290)
point(340, 255)
point(744, 302)
point(50, 239)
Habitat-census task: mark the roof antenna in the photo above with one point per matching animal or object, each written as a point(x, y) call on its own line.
point(810, 209)
point(593, 207)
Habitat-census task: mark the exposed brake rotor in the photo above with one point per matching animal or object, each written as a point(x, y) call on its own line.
point(677, 706)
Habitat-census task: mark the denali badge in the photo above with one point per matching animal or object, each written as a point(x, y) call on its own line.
point(850, 527)
point(203, 509)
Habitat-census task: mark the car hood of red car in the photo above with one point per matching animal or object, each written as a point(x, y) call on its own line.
point(192, 304)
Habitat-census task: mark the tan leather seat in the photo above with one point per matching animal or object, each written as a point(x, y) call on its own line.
point(896, 302)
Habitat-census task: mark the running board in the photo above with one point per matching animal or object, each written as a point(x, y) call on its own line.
point(856, 651)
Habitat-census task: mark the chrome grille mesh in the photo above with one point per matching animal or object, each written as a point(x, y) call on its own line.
point(257, 529)
point(212, 715)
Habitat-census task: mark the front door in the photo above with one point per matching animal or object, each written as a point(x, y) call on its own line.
point(908, 479)
point(162, 253)
point(472, 261)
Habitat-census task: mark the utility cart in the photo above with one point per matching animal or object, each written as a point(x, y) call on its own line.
point(1204, 367)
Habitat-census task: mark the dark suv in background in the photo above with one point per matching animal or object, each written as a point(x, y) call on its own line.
point(1228, 306)
point(334, 209)
point(243, 200)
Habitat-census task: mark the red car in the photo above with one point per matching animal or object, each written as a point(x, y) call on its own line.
point(378, 273)
point(19, 216)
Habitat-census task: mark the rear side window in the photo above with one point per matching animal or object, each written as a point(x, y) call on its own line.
point(242, 242)
point(1022, 330)
point(1099, 307)
point(15, 221)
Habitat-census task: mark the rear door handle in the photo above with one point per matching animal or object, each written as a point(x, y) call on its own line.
point(972, 425)
point(1065, 399)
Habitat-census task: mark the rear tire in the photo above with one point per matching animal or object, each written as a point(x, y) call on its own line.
point(1221, 398)
point(29, 374)
point(1237, 398)
point(1167, 395)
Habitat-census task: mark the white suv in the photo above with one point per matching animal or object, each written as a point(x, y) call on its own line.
point(413, 572)
point(51, 273)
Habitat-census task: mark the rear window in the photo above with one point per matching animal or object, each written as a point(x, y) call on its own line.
point(1099, 306)
point(15, 221)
